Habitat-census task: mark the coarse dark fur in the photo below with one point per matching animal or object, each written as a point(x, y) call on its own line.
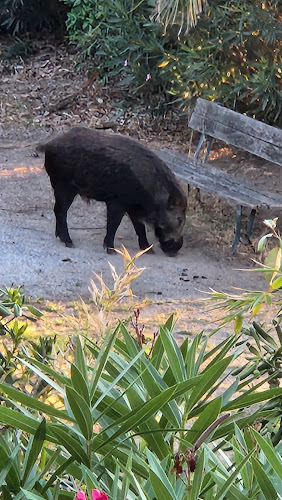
point(124, 174)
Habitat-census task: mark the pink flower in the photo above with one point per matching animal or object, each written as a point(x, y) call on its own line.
point(80, 496)
point(148, 77)
point(125, 62)
point(99, 495)
point(96, 495)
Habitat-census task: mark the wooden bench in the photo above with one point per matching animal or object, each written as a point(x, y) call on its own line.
point(216, 121)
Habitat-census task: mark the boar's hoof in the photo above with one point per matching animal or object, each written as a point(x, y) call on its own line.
point(111, 251)
point(69, 244)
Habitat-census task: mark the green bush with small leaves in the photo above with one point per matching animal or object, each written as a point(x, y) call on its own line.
point(233, 55)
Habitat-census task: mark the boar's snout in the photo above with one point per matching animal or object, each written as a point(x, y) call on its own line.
point(171, 247)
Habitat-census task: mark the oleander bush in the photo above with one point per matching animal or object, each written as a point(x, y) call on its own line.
point(232, 54)
point(135, 417)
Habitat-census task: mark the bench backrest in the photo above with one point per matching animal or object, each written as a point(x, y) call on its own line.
point(253, 136)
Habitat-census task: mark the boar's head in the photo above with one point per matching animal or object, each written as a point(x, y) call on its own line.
point(170, 222)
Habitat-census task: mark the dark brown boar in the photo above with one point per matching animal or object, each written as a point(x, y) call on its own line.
point(124, 174)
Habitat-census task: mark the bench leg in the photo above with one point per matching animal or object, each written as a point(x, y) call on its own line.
point(209, 148)
point(238, 229)
point(200, 143)
point(251, 223)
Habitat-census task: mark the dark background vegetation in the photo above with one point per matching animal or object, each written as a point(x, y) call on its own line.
point(233, 55)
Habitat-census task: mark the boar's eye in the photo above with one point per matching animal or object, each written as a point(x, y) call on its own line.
point(180, 220)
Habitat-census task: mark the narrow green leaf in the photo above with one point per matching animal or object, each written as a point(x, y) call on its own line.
point(191, 366)
point(262, 241)
point(276, 284)
point(65, 466)
point(252, 398)
point(174, 355)
point(42, 374)
point(15, 419)
point(80, 384)
point(34, 311)
point(134, 481)
point(137, 416)
point(239, 456)
point(262, 333)
point(270, 453)
point(159, 480)
point(35, 404)
point(206, 418)
point(158, 353)
point(230, 391)
point(197, 478)
point(208, 378)
point(234, 493)
point(102, 359)
point(264, 482)
point(238, 323)
point(4, 311)
point(17, 310)
point(9, 472)
point(71, 444)
point(154, 385)
point(130, 343)
point(79, 359)
point(125, 480)
point(81, 412)
point(229, 482)
point(121, 375)
point(33, 451)
point(31, 496)
point(169, 324)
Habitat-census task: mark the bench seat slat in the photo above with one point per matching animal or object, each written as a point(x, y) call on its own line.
point(239, 130)
point(217, 182)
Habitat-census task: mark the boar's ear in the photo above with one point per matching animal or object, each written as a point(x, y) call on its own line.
point(174, 200)
point(171, 202)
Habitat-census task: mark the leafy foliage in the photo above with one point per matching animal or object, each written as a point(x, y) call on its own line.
point(121, 416)
point(233, 54)
point(135, 420)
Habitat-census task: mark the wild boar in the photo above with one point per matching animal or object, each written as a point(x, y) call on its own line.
point(124, 174)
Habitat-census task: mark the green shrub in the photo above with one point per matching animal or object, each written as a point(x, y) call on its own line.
point(112, 32)
point(233, 54)
point(136, 420)
point(123, 421)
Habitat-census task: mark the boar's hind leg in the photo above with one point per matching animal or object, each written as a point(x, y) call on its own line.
point(63, 200)
point(141, 233)
point(114, 215)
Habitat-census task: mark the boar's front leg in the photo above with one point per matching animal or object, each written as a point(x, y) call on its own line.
point(141, 233)
point(115, 214)
point(63, 200)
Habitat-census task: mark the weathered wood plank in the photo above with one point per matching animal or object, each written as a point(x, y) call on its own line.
point(237, 129)
point(217, 182)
